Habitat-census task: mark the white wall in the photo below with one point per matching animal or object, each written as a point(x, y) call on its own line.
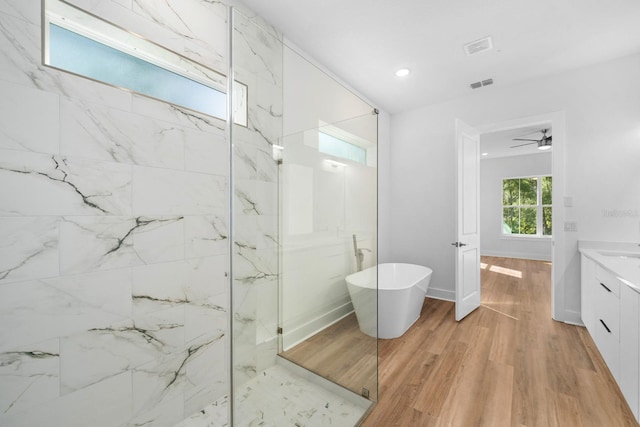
point(492, 172)
point(602, 111)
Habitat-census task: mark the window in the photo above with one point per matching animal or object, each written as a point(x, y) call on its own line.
point(90, 47)
point(329, 144)
point(526, 206)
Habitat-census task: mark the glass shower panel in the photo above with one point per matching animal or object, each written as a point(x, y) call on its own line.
point(328, 214)
point(293, 203)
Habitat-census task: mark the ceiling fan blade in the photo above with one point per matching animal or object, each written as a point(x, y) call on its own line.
point(521, 145)
point(522, 139)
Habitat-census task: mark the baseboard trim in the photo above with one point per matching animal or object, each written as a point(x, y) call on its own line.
point(442, 294)
point(571, 317)
point(313, 326)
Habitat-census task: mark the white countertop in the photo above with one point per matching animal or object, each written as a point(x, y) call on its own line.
point(617, 258)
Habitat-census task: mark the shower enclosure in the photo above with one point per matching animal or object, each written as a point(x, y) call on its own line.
point(304, 177)
point(166, 259)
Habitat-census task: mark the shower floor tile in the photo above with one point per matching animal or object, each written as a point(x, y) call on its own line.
point(278, 397)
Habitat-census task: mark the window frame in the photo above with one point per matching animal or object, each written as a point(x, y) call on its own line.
point(76, 20)
point(539, 209)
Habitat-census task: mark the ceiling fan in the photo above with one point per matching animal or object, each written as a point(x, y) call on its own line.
point(544, 143)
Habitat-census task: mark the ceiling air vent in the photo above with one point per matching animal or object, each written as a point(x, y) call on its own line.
point(478, 46)
point(486, 82)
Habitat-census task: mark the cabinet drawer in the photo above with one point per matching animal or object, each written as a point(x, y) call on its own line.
point(607, 280)
point(609, 347)
point(607, 313)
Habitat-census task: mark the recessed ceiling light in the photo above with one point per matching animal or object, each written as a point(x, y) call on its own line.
point(485, 154)
point(402, 72)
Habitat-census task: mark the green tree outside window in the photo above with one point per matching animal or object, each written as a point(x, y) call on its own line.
point(526, 206)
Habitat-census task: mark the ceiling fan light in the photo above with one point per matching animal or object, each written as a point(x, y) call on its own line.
point(544, 147)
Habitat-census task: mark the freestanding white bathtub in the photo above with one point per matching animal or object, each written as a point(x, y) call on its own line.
point(400, 294)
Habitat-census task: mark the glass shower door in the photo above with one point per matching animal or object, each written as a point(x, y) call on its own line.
point(297, 203)
point(328, 217)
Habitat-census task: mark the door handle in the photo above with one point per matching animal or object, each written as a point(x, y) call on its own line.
point(458, 244)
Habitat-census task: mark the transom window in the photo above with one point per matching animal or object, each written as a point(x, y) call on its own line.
point(337, 147)
point(526, 206)
point(82, 44)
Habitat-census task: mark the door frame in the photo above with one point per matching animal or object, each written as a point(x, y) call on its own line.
point(558, 251)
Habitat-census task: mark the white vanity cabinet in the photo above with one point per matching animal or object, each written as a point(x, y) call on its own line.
point(629, 378)
point(588, 289)
point(610, 311)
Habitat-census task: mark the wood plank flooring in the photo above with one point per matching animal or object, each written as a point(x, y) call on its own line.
point(342, 354)
point(506, 364)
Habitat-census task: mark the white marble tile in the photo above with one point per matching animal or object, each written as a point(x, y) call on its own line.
point(267, 167)
point(108, 291)
point(91, 356)
point(201, 22)
point(246, 199)
point(162, 282)
point(98, 243)
point(206, 235)
point(174, 114)
point(257, 51)
point(254, 267)
point(267, 197)
point(279, 397)
point(202, 322)
point(166, 414)
point(20, 107)
point(207, 283)
point(20, 46)
point(28, 11)
point(245, 161)
point(39, 184)
point(206, 152)
point(34, 311)
point(170, 25)
point(206, 372)
point(97, 132)
point(105, 404)
point(162, 240)
point(163, 322)
point(28, 248)
point(159, 382)
point(166, 192)
point(30, 376)
point(213, 415)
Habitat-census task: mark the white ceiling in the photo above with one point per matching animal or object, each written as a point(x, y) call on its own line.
point(366, 41)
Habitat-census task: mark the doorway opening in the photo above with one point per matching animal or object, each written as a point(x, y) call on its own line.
point(511, 240)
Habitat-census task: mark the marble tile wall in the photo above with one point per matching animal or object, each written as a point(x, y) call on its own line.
point(258, 57)
point(113, 227)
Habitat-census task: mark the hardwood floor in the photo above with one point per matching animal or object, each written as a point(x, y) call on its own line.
point(506, 364)
point(342, 354)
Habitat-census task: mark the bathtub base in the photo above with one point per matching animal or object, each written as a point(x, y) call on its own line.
point(395, 303)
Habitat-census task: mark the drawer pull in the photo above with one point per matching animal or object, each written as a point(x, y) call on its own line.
point(605, 326)
point(605, 286)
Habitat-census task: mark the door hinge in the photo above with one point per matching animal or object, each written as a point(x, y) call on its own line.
point(279, 331)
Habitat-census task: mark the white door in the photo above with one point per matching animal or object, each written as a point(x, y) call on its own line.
point(467, 245)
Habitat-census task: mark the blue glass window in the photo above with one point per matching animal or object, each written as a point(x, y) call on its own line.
point(81, 55)
point(329, 144)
